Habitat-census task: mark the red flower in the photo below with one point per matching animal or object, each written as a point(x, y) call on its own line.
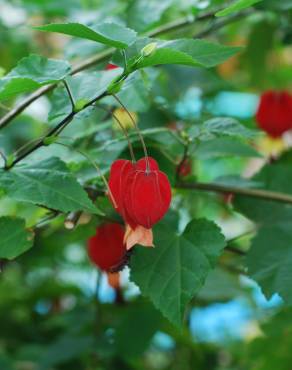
point(148, 194)
point(106, 248)
point(142, 195)
point(110, 66)
point(274, 114)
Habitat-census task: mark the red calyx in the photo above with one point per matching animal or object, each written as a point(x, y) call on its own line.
point(142, 192)
point(274, 114)
point(106, 248)
point(110, 66)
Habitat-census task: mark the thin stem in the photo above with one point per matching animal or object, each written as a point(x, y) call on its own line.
point(46, 219)
point(137, 129)
point(216, 25)
point(124, 132)
point(255, 193)
point(95, 166)
point(69, 94)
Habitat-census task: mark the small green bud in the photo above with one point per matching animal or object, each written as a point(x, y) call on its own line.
point(49, 140)
point(115, 87)
point(2, 72)
point(80, 104)
point(184, 135)
point(9, 160)
point(149, 49)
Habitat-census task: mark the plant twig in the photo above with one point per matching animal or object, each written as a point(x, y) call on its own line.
point(254, 193)
point(217, 24)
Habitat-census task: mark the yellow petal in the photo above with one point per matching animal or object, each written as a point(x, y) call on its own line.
point(269, 146)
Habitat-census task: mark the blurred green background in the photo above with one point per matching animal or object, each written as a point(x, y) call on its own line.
point(57, 311)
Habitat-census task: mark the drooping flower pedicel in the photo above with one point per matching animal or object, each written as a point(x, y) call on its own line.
point(106, 248)
point(274, 114)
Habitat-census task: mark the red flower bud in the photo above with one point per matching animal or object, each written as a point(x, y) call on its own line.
point(148, 193)
point(185, 168)
point(106, 248)
point(110, 66)
point(274, 114)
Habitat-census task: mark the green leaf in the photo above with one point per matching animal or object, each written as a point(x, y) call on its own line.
point(271, 350)
point(183, 51)
point(66, 347)
point(224, 147)
point(14, 238)
point(47, 183)
point(111, 34)
point(136, 329)
point(174, 271)
point(236, 6)
point(226, 126)
point(270, 256)
point(31, 73)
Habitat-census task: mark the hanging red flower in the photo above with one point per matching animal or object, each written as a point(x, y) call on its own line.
point(141, 194)
point(148, 193)
point(106, 248)
point(274, 114)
